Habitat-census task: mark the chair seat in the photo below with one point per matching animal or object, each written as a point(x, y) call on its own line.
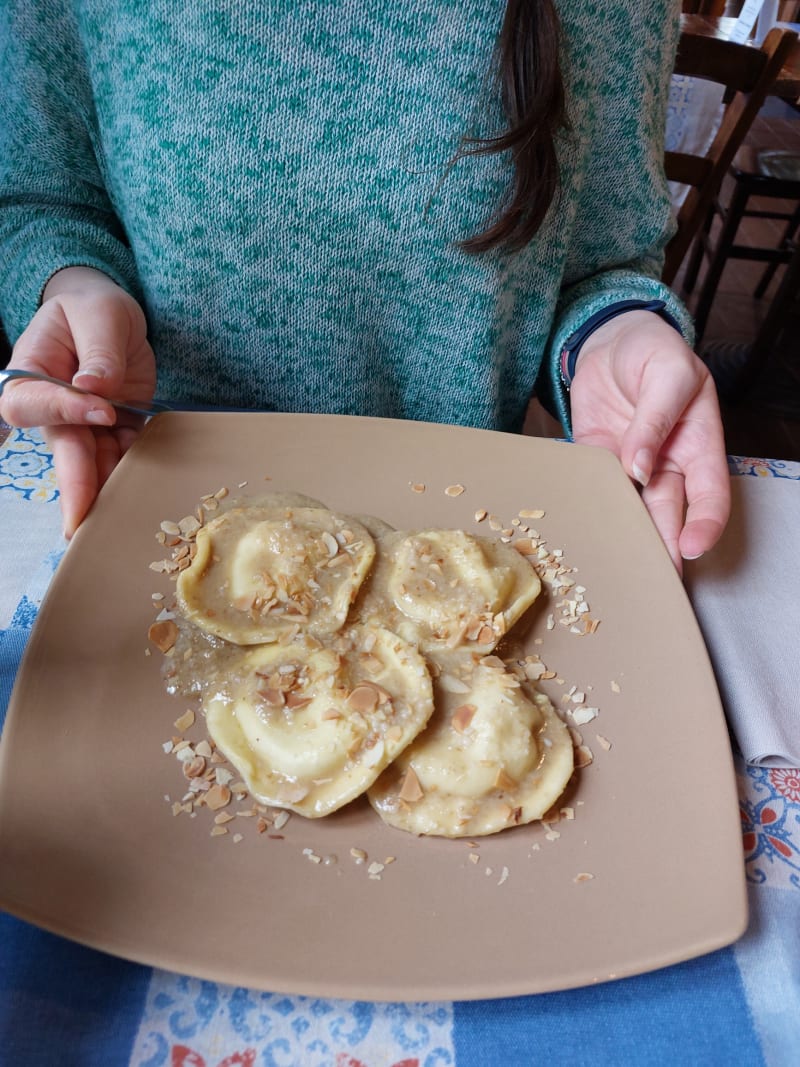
point(766, 168)
point(783, 166)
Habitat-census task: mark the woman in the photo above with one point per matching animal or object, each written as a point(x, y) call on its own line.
point(426, 211)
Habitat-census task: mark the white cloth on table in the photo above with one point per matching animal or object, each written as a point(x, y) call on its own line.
point(746, 595)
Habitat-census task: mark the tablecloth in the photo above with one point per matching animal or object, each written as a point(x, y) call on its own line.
point(63, 1004)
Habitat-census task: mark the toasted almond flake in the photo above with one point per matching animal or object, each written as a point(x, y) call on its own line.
point(567, 813)
point(451, 684)
point(281, 820)
point(552, 835)
point(294, 701)
point(474, 857)
point(262, 826)
point(218, 831)
point(486, 635)
point(358, 854)
point(531, 513)
point(185, 721)
point(615, 688)
point(584, 876)
point(363, 698)
point(330, 542)
point(168, 747)
point(223, 492)
point(163, 634)
point(218, 796)
point(494, 523)
point(481, 514)
point(454, 490)
point(462, 717)
point(603, 742)
point(417, 487)
point(237, 838)
point(411, 791)
point(503, 875)
point(583, 715)
point(223, 817)
point(193, 768)
point(583, 756)
point(375, 867)
point(203, 749)
point(189, 525)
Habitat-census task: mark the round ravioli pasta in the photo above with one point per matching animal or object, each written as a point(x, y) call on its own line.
point(261, 573)
point(310, 727)
point(447, 589)
point(492, 756)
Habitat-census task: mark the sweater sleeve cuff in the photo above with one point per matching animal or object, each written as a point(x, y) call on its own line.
point(34, 266)
point(588, 299)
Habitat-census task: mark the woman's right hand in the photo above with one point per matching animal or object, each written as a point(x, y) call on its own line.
point(90, 332)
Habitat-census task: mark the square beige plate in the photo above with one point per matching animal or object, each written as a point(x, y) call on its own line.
point(90, 846)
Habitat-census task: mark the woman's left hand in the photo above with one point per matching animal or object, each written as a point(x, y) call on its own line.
point(641, 392)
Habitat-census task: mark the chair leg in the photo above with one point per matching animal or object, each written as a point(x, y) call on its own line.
point(769, 273)
point(696, 256)
point(733, 217)
point(771, 327)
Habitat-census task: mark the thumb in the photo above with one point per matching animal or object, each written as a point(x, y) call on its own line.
point(101, 342)
point(662, 400)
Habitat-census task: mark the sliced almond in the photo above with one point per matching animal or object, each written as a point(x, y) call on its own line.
point(363, 698)
point(163, 634)
point(218, 797)
point(462, 717)
point(411, 791)
point(185, 721)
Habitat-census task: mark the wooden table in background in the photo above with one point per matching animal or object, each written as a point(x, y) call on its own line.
point(787, 85)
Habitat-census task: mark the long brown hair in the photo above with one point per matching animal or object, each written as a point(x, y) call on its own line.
point(532, 94)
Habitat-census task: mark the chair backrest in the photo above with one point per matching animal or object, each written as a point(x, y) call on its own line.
point(747, 74)
point(703, 7)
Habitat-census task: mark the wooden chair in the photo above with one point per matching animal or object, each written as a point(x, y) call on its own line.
point(703, 7)
point(767, 174)
point(747, 74)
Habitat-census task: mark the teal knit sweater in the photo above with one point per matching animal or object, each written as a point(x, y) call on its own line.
point(271, 180)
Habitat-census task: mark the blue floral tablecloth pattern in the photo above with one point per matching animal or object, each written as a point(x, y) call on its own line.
point(62, 1003)
point(26, 467)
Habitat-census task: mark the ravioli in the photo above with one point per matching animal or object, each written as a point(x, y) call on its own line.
point(311, 727)
point(447, 589)
point(494, 755)
point(261, 573)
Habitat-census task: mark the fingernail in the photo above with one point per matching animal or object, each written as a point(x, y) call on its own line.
point(699, 554)
point(99, 417)
point(97, 371)
point(641, 466)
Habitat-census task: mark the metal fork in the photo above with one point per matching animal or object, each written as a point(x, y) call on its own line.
point(153, 407)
